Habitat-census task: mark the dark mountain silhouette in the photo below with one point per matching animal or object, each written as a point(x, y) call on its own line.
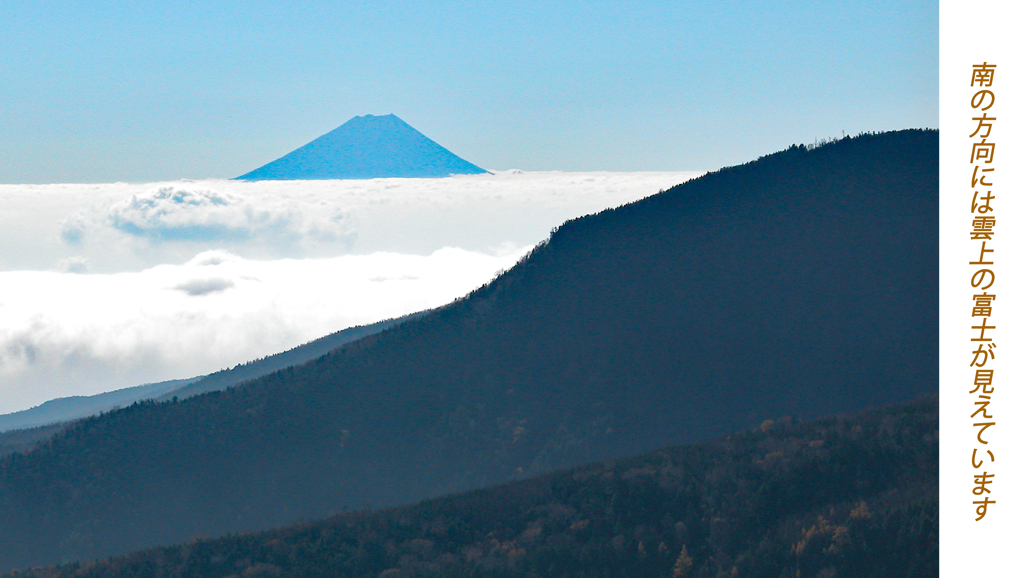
point(848, 496)
point(366, 147)
point(21, 430)
point(296, 356)
point(804, 284)
point(23, 440)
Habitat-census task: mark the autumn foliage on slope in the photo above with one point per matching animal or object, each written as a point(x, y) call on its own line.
point(847, 496)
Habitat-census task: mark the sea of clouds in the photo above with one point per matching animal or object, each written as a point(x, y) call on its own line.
point(104, 286)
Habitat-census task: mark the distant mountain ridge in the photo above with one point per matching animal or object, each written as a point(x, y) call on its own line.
point(79, 406)
point(804, 283)
point(71, 408)
point(366, 147)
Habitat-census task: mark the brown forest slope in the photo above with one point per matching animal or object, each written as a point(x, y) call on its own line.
point(848, 496)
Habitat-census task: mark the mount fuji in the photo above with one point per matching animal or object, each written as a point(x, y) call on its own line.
point(366, 147)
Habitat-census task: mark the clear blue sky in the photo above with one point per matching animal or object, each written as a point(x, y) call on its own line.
point(136, 91)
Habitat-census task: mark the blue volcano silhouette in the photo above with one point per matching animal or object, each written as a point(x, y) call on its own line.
point(366, 147)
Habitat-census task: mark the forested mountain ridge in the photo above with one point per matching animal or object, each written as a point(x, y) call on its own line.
point(842, 496)
point(21, 431)
point(804, 283)
point(70, 408)
point(296, 356)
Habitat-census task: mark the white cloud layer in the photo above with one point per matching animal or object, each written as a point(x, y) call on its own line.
point(73, 334)
point(117, 227)
point(188, 213)
point(113, 285)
